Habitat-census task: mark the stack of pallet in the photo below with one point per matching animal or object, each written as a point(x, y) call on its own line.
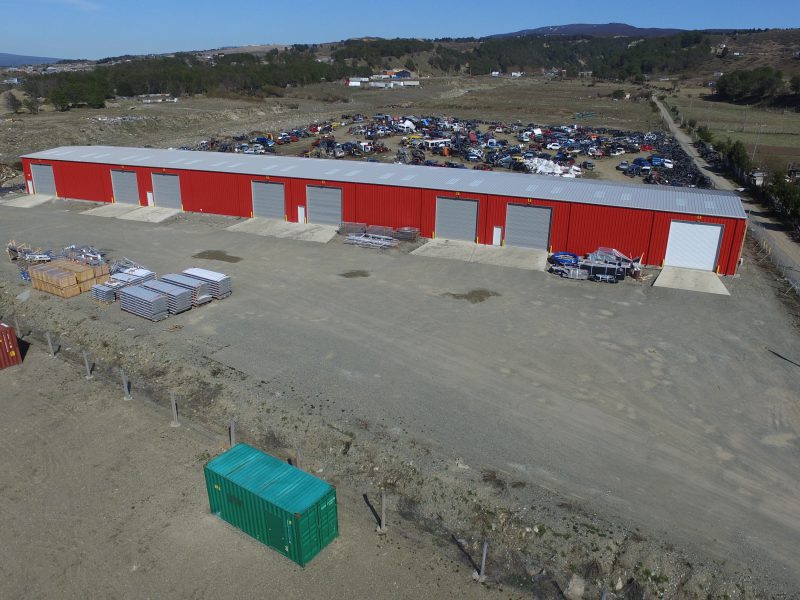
point(67, 279)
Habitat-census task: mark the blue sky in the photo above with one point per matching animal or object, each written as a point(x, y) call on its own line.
point(99, 28)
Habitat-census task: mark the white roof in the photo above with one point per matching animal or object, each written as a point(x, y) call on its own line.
point(519, 185)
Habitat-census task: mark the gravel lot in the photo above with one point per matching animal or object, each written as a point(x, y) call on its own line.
point(643, 409)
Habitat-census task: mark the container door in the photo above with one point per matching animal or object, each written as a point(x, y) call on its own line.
point(44, 182)
point(167, 191)
point(528, 226)
point(276, 532)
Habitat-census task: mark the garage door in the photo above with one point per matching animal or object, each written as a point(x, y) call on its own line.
point(126, 188)
point(528, 226)
point(167, 191)
point(324, 205)
point(456, 219)
point(268, 200)
point(693, 245)
point(43, 180)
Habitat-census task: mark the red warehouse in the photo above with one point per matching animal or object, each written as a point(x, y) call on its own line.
point(683, 227)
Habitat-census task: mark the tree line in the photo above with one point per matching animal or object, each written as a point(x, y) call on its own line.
point(755, 85)
point(240, 74)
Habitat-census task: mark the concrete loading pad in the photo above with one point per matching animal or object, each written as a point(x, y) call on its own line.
point(131, 212)
point(692, 280)
point(307, 232)
point(27, 201)
point(501, 256)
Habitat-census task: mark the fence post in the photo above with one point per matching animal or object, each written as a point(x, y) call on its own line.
point(175, 422)
point(125, 386)
point(480, 577)
point(87, 365)
point(382, 527)
point(50, 344)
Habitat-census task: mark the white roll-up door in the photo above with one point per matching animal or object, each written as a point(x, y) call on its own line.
point(44, 182)
point(456, 219)
point(268, 200)
point(693, 245)
point(125, 186)
point(528, 226)
point(167, 191)
point(324, 205)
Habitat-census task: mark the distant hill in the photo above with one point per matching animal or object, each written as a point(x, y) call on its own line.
point(597, 30)
point(15, 60)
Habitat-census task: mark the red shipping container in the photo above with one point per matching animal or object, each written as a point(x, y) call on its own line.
point(9, 348)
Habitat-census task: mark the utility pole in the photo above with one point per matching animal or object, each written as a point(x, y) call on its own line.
point(755, 146)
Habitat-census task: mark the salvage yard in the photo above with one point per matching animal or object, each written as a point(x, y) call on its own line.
point(547, 402)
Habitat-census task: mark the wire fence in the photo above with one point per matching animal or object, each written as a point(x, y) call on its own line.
point(768, 250)
point(125, 379)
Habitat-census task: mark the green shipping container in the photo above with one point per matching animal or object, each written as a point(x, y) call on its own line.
point(281, 506)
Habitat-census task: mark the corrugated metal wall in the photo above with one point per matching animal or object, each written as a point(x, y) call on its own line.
point(575, 227)
point(627, 230)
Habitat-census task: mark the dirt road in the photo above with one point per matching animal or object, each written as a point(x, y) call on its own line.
point(776, 232)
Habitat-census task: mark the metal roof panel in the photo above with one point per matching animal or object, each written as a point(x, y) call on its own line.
point(519, 185)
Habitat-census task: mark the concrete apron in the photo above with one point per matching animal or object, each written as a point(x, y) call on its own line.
point(132, 212)
point(692, 280)
point(27, 201)
point(502, 256)
point(307, 232)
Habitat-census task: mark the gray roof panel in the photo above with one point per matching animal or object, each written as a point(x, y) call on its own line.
point(519, 185)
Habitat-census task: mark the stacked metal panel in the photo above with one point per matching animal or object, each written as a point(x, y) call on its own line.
point(104, 293)
point(144, 303)
point(178, 299)
point(134, 276)
point(200, 292)
point(219, 284)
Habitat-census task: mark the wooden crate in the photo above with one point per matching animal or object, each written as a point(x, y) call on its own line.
point(82, 272)
point(53, 275)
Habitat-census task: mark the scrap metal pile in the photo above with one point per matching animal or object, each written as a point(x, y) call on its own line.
point(604, 264)
point(66, 273)
point(374, 236)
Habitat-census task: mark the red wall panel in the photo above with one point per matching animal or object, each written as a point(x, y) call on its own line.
point(388, 206)
point(81, 181)
point(627, 230)
point(216, 193)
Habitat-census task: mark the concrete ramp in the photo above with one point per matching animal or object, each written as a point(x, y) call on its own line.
point(150, 214)
point(110, 210)
point(501, 256)
point(691, 280)
point(28, 201)
point(306, 232)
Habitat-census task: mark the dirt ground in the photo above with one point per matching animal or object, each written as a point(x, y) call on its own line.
point(131, 123)
point(102, 498)
point(601, 436)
